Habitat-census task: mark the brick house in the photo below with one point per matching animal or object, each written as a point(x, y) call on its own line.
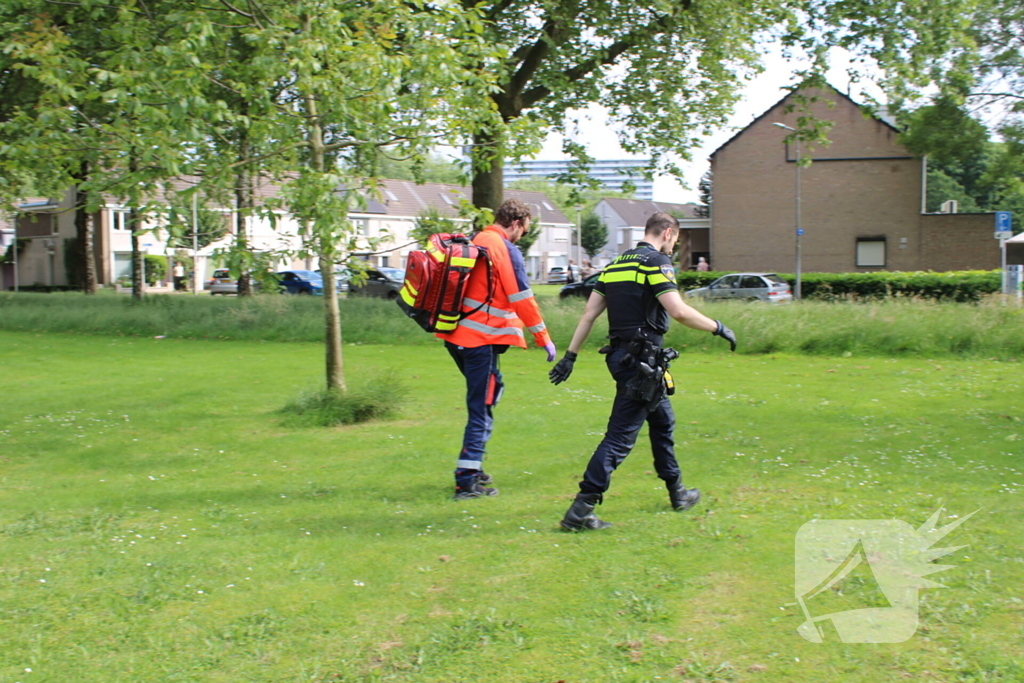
point(862, 200)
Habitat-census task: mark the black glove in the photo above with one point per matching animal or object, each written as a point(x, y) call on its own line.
point(726, 334)
point(562, 369)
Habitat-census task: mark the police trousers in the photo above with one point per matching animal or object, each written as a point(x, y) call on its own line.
point(627, 417)
point(484, 386)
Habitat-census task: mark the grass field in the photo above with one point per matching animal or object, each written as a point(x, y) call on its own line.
point(159, 523)
point(898, 327)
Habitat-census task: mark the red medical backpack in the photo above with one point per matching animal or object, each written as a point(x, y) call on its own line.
point(436, 279)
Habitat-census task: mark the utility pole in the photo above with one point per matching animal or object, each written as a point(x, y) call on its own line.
point(799, 231)
point(195, 244)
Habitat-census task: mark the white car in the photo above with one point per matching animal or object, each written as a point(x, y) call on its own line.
point(767, 287)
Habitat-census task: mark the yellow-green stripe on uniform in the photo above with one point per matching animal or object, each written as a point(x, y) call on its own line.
point(631, 285)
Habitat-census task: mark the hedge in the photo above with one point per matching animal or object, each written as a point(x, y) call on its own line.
point(963, 285)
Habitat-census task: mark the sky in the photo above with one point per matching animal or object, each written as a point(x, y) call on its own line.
point(760, 94)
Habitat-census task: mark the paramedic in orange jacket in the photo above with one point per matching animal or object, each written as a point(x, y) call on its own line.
point(483, 336)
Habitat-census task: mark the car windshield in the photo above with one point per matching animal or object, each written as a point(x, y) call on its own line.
point(395, 274)
point(307, 274)
point(776, 279)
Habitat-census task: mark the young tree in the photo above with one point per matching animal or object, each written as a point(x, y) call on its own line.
point(327, 85)
point(704, 188)
point(595, 234)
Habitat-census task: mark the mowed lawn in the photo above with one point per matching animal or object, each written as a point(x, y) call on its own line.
point(159, 523)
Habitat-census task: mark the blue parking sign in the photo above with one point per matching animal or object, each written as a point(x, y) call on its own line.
point(1003, 221)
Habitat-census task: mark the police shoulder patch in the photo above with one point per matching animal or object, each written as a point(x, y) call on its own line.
point(668, 271)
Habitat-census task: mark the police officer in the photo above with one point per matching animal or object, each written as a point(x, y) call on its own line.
point(639, 291)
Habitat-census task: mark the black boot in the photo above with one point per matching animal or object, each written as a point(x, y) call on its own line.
point(682, 498)
point(580, 514)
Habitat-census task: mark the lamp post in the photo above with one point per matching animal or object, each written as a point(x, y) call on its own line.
point(540, 237)
point(579, 239)
point(799, 230)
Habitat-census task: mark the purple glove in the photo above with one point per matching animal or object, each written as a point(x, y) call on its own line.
point(552, 352)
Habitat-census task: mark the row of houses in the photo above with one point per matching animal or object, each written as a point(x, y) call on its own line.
point(861, 209)
point(46, 227)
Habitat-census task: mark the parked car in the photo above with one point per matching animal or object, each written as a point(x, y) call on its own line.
point(341, 279)
point(582, 289)
point(767, 287)
point(556, 275)
point(223, 283)
point(381, 282)
point(300, 282)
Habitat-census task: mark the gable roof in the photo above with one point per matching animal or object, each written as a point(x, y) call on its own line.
point(636, 211)
point(884, 118)
point(406, 198)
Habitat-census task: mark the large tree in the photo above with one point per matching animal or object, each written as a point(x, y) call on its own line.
point(670, 70)
point(665, 70)
point(102, 119)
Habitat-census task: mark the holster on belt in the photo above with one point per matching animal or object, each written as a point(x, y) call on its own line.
point(652, 382)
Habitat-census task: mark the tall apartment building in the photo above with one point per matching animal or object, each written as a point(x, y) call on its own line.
point(611, 173)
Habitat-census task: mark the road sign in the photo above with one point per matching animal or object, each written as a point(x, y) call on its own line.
point(1004, 225)
point(800, 231)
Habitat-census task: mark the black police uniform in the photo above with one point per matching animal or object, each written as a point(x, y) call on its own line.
point(631, 286)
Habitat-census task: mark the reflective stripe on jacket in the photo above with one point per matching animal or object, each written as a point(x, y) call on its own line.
point(511, 312)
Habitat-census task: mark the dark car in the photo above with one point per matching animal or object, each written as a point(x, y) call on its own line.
point(342, 276)
point(580, 289)
point(381, 282)
point(300, 282)
point(767, 287)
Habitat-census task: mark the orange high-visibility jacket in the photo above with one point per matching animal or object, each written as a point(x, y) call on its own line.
point(512, 307)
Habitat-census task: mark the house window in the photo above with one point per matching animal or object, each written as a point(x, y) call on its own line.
point(362, 226)
point(871, 252)
point(119, 220)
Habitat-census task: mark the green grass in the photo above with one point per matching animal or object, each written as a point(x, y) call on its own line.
point(898, 327)
point(159, 522)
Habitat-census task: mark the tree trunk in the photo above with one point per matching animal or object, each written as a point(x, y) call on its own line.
point(488, 183)
point(243, 208)
point(84, 230)
point(137, 266)
point(332, 325)
point(326, 254)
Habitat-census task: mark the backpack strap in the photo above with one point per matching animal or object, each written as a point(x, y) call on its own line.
point(483, 252)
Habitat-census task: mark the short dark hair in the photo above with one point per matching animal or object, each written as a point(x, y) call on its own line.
point(659, 222)
point(510, 211)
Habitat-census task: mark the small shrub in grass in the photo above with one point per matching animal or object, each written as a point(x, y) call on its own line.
point(327, 408)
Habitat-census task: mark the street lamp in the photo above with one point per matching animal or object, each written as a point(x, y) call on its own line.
point(579, 240)
point(540, 236)
point(799, 230)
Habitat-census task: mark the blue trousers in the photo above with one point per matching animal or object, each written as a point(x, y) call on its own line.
point(624, 424)
point(483, 390)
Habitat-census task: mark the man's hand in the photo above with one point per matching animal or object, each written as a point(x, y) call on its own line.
point(562, 369)
point(726, 334)
point(552, 352)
